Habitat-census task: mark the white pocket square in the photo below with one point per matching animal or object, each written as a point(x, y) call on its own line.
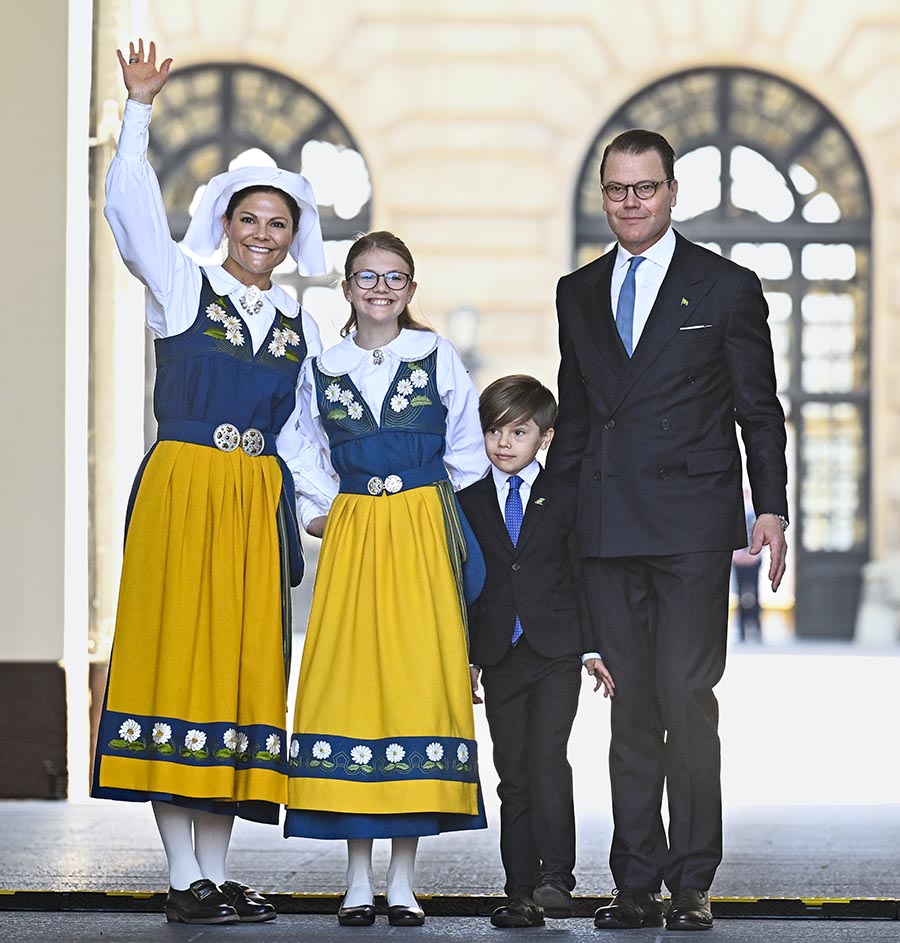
point(695, 327)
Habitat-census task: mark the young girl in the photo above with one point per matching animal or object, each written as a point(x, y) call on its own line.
point(383, 743)
point(194, 714)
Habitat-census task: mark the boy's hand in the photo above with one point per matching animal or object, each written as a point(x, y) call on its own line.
point(595, 667)
point(474, 673)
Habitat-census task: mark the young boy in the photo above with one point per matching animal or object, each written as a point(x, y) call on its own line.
point(526, 634)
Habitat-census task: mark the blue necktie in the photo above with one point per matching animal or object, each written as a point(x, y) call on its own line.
point(625, 306)
point(513, 515)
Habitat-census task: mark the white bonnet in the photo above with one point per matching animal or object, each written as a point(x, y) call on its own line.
point(206, 230)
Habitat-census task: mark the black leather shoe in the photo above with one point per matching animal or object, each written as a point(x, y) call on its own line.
point(629, 909)
point(250, 905)
point(689, 910)
point(202, 902)
point(553, 897)
point(518, 912)
point(399, 916)
point(362, 916)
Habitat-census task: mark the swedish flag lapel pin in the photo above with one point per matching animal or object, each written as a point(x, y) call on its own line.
point(684, 301)
point(540, 501)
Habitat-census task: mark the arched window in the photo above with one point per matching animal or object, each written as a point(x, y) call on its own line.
point(769, 178)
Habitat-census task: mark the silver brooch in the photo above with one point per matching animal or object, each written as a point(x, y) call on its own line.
point(251, 301)
point(378, 357)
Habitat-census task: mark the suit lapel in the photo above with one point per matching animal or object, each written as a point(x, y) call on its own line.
point(490, 508)
point(593, 296)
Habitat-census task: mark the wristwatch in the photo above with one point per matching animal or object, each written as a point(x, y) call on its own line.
point(782, 518)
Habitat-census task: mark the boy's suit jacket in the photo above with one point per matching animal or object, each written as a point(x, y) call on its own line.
point(538, 580)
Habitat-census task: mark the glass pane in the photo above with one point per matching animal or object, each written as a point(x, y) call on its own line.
point(836, 262)
point(802, 179)
point(757, 185)
point(770, 260)
point(699, 176)
point(822, 208)
point(833, 468)
point(780, 307)
point(833, 343)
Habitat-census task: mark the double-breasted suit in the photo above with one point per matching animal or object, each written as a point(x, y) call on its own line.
point(531, 689)
point(650, 445)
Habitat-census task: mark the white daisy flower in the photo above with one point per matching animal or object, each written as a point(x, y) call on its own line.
point(273, 744)
point(399, 403)
point(230, 738)
point(361, 754)
point(161, 733)
point(215, 312)
point(405, 387)
point(355, 410)
point(394, 752)
point(418, 378)
point(462, 753)
point(295, 749)
point(321, 749)
point(346, 397)
point(130, 730)
point(230, 321)
point(333, 392)
point(243, 741)
point(291, 336)
point(195, 740)
point(276, 348)
point(434, 752)
point(235, 336)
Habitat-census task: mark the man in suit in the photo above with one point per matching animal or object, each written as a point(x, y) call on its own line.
point(526, 634)
point(663, 346)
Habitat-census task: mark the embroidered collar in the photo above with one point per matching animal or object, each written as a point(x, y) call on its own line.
point(345, 357)
point(225, 284)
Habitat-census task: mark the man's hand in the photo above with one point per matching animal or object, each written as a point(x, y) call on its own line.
point(474, 672)
point(768, 532)
point(596, 668)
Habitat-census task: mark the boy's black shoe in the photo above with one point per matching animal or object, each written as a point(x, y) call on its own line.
point(629, 909)
point(553, 897)
point(202, 902)
point(689, 910)
point(518, 912)
point(250, 905)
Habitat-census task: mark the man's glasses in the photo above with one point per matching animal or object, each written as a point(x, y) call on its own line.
point(396, 281)
point(643, 189)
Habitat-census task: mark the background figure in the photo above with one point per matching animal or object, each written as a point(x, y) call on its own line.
point(746, 567)
point(194, 712)
point(646, 433)
point(384, 736)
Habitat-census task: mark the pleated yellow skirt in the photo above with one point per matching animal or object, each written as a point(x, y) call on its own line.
point(196, 697)
point(383, 722)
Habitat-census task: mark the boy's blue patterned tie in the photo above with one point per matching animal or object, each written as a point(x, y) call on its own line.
point(625, 305)
point(513, 515)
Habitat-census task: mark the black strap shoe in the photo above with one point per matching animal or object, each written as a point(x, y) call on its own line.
point(518, 913)
point(361, 916)
point(553, 897)
point(689, 910)
point(202, 902)
point(399, 916)
point(629, 909)
point(250, 905)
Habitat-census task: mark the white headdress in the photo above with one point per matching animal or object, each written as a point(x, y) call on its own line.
point(206, 230)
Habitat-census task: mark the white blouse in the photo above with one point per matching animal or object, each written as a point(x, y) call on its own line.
point(137, 217)
point(464, 454)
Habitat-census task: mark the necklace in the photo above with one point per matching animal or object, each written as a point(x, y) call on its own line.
point(251, 301)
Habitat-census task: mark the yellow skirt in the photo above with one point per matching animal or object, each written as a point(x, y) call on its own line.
point(383, 722)
point(196, 698)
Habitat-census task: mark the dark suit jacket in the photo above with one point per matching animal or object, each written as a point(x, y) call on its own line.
point(650, 442)
point(538, 579)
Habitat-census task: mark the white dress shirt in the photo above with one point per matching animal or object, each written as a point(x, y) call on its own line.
point(648, 277)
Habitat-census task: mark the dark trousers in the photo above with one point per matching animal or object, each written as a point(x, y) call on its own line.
point(530, 702)
point(663, 623)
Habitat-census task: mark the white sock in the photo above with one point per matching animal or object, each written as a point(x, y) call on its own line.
point(360, 880)
point(402, 873)
point(175, 826)
point(212, 835)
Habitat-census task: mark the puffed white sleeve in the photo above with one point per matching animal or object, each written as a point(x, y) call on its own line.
point(137, 216)
point(464, 455)
point(302, 442)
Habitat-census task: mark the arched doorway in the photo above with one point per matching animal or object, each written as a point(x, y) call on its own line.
point(769, 178)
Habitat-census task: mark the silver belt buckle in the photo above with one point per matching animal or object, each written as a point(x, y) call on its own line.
point(226, 437)
point(253, 441)
point(393, 483)
point(375, 485)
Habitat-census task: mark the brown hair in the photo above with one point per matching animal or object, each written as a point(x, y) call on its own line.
point(239, 195)
point(516, 398)
point(638, 141)
point(387, 242)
